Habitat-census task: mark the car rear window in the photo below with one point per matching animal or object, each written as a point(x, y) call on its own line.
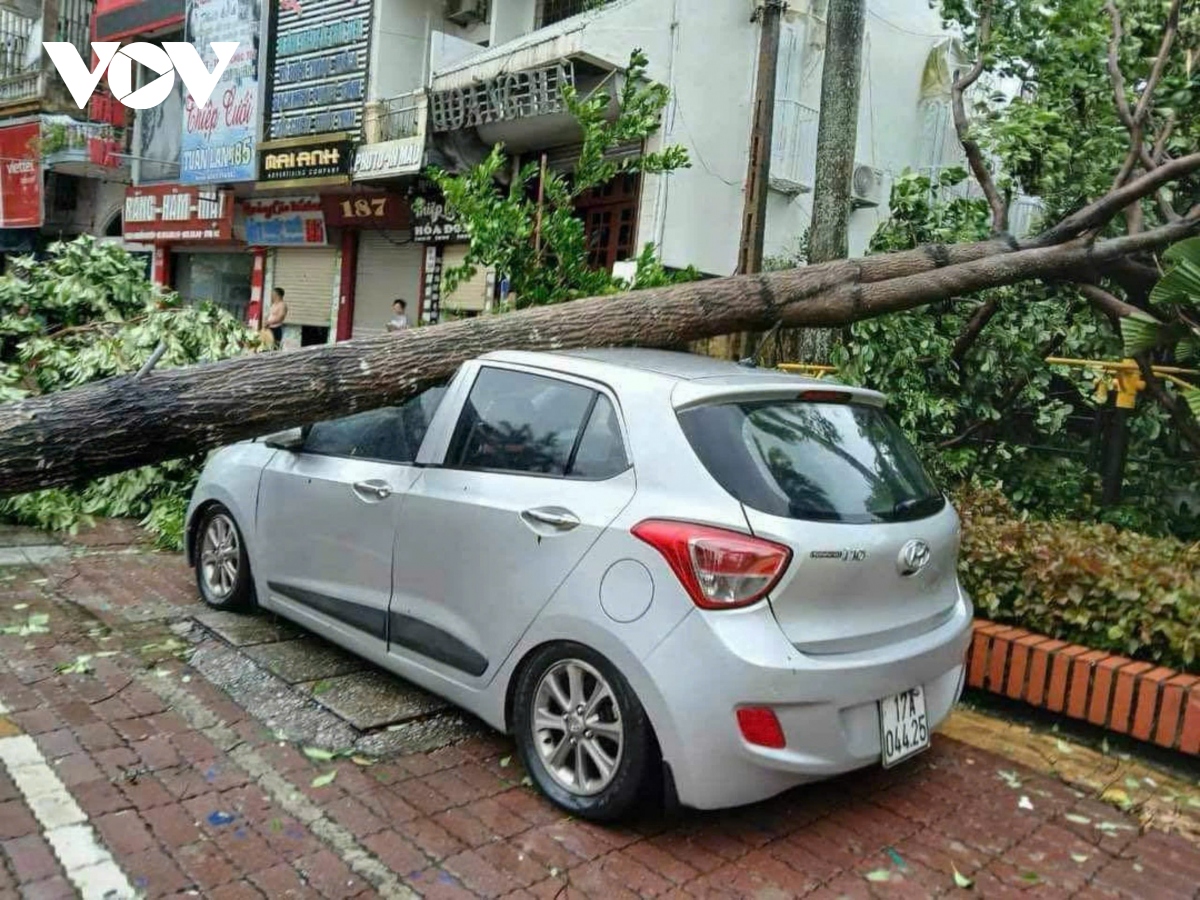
point(832, 462)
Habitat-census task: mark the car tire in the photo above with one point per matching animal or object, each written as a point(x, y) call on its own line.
point(222, 567)
point(565, 761)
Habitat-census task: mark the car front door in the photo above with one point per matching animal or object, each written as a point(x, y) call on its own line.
point(327, 519)
point(535, 469)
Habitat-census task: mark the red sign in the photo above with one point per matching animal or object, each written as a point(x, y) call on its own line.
point(171, 212)
point(21, 176)
point(365, 211)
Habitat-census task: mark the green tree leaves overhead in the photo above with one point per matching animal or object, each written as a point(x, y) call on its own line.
point(542, 248)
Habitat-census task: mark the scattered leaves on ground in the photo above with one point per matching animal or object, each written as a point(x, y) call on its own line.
point(327, 778)
point(961, 880)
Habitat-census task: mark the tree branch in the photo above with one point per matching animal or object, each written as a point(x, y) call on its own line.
point(1095, 215)
point(975, 326)
point(962, 128)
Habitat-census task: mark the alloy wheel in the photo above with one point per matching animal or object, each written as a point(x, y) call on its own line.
point(220, 556)
point(577, 727)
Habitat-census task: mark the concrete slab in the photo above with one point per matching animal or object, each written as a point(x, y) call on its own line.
point(304, 659)
point(245, 630)
point(374, 699)
point(32, 554)
point(20, 536)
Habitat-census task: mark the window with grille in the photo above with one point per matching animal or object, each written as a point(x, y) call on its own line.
point(551, 11)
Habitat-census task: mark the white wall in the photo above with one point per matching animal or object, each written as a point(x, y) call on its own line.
point(898, 36)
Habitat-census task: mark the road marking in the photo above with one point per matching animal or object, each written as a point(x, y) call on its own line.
point(88, 865)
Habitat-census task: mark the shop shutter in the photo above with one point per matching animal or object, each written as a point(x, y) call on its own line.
point(472, 294)
point(309, 279)
point(389, 267)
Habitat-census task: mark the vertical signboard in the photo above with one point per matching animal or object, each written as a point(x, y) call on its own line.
point(219, 137)
point(318, 78)
point(21, 176)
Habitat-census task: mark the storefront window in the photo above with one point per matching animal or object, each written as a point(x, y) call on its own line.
point(223, 278)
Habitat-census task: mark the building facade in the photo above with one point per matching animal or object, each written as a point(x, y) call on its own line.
point(303, 170)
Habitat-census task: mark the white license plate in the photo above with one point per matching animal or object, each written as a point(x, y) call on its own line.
point(903, 726)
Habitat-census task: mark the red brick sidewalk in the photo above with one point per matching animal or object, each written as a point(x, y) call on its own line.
point(190, 796)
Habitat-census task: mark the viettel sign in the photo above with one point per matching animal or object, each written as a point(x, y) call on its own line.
point(171, 57)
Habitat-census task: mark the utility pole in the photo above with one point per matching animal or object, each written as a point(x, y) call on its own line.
point(758, 172)
point(837, 131)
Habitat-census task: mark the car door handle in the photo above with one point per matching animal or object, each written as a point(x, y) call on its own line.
point(555, 517)
point(381, 490)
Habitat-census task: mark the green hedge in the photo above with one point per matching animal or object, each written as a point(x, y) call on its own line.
point(1086, 583)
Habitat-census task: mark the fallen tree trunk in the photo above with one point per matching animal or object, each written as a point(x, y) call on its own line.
point(120, 423)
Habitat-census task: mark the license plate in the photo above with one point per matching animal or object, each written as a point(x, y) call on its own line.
point(903, 726)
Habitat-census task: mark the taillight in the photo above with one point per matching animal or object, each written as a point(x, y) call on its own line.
point(719, 569)
point(824, 396)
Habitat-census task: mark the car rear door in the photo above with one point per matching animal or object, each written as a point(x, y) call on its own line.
point(327, 517)
point(535, 469)
point(874, 544)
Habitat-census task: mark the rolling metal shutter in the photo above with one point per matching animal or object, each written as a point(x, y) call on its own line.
point(309, 278)
point(471, 294)
point(389, 267)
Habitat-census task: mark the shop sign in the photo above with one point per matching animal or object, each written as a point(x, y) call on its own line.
point(365, 211)
point(513, 95)
point(284, 221)
point(318, 69)
point(323, 159)
point(219, 135)
point(432, 224)
point(167, 212)
point(383, 160)
point(20, 176)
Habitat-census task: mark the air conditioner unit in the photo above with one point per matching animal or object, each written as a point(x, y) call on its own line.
point(466, 12)
point(866, 188)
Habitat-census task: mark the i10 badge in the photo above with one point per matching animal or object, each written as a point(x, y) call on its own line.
point(903, 727)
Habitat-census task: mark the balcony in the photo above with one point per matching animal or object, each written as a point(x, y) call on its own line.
point(794, 147)
point(27, 78)
point(395, 118)
point(551, 11)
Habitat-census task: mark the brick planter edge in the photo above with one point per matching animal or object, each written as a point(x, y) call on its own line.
point(1148, 702)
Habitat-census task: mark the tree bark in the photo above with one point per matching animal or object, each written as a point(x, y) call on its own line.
point(121, 423)
point(837, 132)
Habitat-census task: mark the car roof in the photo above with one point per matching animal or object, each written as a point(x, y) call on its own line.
point(690, 377)
point(670, 364)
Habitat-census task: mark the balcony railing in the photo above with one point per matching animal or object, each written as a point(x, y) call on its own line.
point(21, 74)
point(395, 118)
point(794, 147)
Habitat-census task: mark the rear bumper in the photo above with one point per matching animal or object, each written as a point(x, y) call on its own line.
point(714, 663)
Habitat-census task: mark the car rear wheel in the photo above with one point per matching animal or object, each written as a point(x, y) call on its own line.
point(222, 566)
point(581, 733)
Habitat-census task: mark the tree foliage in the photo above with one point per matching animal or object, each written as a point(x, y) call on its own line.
point(86, 312)
point(541, 248)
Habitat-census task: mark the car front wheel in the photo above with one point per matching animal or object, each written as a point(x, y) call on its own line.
point(222, 566)
point(581, 733)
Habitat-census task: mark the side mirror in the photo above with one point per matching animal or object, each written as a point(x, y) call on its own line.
point(292, 439)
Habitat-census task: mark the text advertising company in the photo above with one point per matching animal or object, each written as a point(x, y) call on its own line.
point(165, 60)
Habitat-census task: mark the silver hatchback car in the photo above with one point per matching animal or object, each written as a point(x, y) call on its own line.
point(656, 570)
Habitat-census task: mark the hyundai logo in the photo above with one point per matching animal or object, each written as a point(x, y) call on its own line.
point(914, 556)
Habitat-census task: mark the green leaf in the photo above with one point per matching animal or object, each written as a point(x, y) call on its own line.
point(327, 778)
point(1080, 857)
point(1078, 819)
point(318, 754)
point(504, 761)
point(878, 875)
point(961, 880)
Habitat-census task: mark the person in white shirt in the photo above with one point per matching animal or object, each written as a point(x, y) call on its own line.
point(399, 320)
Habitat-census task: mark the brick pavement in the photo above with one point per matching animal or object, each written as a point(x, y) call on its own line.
point(191, 796)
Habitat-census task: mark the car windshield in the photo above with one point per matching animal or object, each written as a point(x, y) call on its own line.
point(834, 462)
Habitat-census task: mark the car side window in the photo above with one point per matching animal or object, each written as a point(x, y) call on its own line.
point(389, 434)
point(520, 422)
point(601, 451)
